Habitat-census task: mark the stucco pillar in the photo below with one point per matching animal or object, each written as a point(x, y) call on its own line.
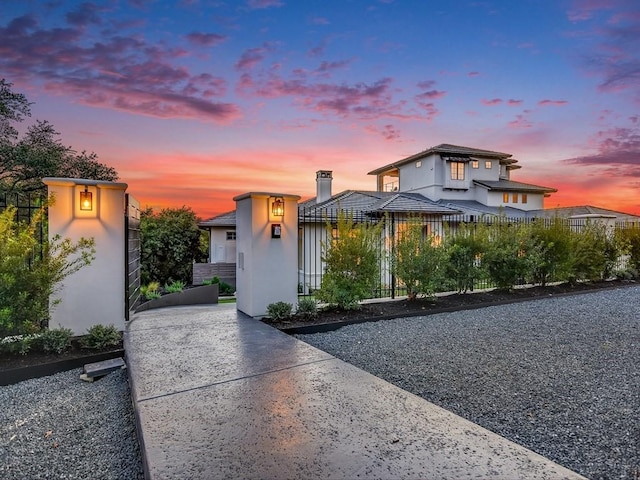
point(267, 251)
point(95, 294)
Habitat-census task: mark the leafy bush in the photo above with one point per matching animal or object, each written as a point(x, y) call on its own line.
point(100, 336)
point(223, 287)
point(19, 344)
point(628, 237)
point(549, 249)
point(418, 262)
point(57, 340)
point(279, 310)
point(307, 307)
point(150, 291)
point(464, 250)
point(174, 287)
point(504, 258)
point(30, 274)
point(170, 243)
point(352, 262)
point(593, 254)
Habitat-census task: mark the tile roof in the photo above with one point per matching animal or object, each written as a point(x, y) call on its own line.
point(227, 219)
point(369, 203)
point(473, 207)
point(511, 186)
point(447, 149)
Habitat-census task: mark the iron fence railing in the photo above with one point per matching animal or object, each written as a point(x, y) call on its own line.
point(313, 234)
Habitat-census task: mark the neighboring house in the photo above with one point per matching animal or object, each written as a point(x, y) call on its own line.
point(443, 184)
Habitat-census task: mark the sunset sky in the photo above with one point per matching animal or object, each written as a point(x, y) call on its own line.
point(196, 101)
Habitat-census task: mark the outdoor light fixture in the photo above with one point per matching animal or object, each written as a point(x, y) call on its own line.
point(277, 207)
point(86, 199)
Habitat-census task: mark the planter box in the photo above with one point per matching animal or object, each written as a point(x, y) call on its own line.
point(203, 294)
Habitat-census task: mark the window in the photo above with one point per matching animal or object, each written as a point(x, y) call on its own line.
point(515, 198)
point(475, 164)
point(418, 164)
point(231, 235)
point(505, 198)
point(457, 170)
point(488, 164)
point(524, 198)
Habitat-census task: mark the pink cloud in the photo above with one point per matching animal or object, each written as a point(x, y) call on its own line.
point(473, 74)
point(262, 4)
point(521, 121)
point(492, 102)
point(85, 14)
point(514, 103)
point(205, 39)
point(582, 10)
point(547, 102)
point(122, 73)
point(251, 57)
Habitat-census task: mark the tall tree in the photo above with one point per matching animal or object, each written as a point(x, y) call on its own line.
point(25, 160)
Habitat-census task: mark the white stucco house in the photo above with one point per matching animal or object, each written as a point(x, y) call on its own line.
point(442, 184)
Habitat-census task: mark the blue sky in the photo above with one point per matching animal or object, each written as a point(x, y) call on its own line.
point(194, 102)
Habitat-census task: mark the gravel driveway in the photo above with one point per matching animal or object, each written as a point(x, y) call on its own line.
point(560, 376)
point(61, 427)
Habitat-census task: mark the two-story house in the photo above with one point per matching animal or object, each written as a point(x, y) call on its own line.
point(469, 178)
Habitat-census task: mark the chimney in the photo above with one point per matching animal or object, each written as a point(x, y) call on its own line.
point(323, 185)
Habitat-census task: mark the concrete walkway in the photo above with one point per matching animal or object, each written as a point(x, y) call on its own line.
point(221, 395)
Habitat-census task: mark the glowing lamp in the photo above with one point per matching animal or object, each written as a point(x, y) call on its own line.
point(277, 207)
point(86, 200)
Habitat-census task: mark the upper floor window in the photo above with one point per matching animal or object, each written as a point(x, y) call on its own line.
point(515, 198)
point(505, 198)
point(488, 164)
point(475, 164)
point(524, 198)
point(457, 170)
point(231, 235)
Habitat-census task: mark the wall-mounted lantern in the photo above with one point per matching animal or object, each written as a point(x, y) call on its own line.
point(86, 199)
point(277, 206)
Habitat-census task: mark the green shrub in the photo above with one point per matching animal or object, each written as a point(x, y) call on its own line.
point(150, 291)
point(279, 310)
point(100, 336)
point(224, 288)
point(170, 242)
point(30, 273)
point(418, 262)
point(628, 238)
point(550, 244)
point(19, 344)
point(307, 307)
point(504, 258)
point(352, 262)
point(174, 287)
point(56, 340)
point(464, 251)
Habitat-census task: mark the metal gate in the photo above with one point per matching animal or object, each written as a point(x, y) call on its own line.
point(132, 254)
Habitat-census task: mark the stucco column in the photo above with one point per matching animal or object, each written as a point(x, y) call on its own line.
point(267, 251)
point(96, 293)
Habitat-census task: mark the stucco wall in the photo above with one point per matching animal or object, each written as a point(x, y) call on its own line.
point(96, 293)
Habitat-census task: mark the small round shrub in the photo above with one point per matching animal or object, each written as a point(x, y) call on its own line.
point(279, 310)
point(174, 287)
point(99, 337)
point(56, 340)
point(307, 307)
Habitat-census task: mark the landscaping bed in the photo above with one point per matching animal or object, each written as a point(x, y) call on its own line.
point(331, 318)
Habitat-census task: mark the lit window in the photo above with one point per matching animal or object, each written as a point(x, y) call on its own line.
point(418, 164)
point(457, 170)
point(475, 164)
point(487, 164)
point(524, 198)
point(231, 235)
point(515, 198)
point(505, 198)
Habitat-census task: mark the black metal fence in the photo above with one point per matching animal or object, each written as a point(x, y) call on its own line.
point(27, 205)
point(132, 254)
point(313, 235)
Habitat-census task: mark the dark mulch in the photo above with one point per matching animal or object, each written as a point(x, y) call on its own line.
point(329, 319)
point(14, 361)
